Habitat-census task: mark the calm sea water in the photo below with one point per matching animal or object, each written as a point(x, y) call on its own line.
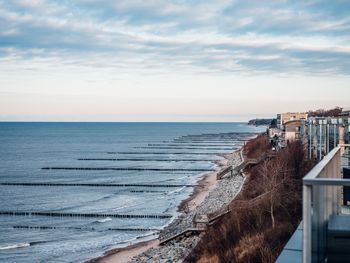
point(153, 152)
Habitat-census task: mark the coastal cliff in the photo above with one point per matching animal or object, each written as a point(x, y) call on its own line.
point(261, 122)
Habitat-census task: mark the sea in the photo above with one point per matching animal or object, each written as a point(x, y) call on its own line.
point(70, 191)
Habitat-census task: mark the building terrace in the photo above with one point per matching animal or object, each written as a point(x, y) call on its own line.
point(324, 233)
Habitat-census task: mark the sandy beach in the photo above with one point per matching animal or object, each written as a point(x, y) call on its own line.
point(201, 192)
point(120, 255)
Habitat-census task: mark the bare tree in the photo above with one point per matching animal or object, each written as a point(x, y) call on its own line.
point(271, 182)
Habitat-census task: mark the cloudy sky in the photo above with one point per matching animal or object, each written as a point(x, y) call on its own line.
point(158, 60)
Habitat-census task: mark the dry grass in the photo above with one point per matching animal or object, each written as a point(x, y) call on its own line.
point(208, 259)
point(248, 245)
point(256, 147)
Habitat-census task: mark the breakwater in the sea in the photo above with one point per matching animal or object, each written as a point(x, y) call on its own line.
point(94, 215)
point(102, 184)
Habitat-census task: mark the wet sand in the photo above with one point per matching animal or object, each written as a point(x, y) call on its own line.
point(121, 255)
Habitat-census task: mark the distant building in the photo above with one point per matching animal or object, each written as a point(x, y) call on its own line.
point(292, 130)
point(319, 134)
point(345, 112)
point(345, 115)
point(323, 134)
point(289, 116)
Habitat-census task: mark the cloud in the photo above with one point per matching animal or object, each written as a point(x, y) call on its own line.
point(221, 37)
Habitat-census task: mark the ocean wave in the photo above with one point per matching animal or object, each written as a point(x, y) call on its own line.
point(140, 238)
point(175, 191)
point(14, 246)
point(103, 220)
point(104, 197)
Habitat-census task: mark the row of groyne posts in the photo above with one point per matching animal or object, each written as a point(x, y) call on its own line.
point(322, 134)
point(61, 214)
point(103, 215)
point(89, 215)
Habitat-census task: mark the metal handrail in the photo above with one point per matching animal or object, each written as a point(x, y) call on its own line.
point(321, 165)
point(327, 181)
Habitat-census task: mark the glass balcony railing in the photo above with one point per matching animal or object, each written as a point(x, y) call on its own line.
point(326, 216)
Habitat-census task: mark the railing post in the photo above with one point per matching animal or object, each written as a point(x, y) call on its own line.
point(307, 227)
point(338, 175)
point(335, 197)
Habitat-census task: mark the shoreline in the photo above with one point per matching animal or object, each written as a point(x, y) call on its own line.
point(119, 255)
point(204, 186)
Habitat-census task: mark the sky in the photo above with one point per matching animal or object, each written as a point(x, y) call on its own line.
point(157, 60)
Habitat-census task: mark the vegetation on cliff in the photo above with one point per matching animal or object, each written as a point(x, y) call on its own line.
point(326, 113)
point(266, 212)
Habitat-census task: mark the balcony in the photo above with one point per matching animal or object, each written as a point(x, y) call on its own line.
point(324, 234)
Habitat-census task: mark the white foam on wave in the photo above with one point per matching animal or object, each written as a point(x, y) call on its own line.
point(104, 220)
point(14, 246)
point(145, 237)
point(175, 191)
